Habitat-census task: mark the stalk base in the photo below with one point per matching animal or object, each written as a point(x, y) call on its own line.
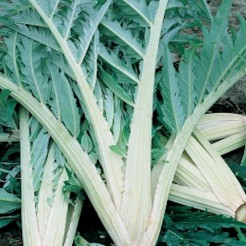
point(240, 214)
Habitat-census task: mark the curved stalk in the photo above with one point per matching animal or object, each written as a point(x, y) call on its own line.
point(28, 212)
point(137, 190)
point(112, 163)
point(171, 160)
point(77, 158)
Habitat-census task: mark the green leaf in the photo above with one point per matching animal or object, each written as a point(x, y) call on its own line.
point(7, 219)
point(67, 14)
point(125, 36)
point(109, 107)
point(141, 8)
point(64, 104)
point(118, 150)
point(39, 34)
point(32, 56)
point(111, 57)
point(7, 110)
point(89, 64)
point(172, 108)
point(115, 87)
point(8, 10)
point(208, 222)
point(12, 57)
point(39, 153)
point(48, 6)
point(29, 17)
point(73, 185)
point(8, 202)
point(186, 81)
point(86, 143)
point(185, 226)
point(210, 52)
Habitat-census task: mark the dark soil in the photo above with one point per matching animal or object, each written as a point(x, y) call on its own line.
point(11, 236)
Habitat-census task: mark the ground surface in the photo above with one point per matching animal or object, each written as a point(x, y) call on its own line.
point(233, 101)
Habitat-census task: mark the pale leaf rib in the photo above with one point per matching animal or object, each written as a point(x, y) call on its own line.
point(45, 193)
point(71, 18)
point(137, 187)
point(195, 198)
point(78, 160)
point(29, 218)
point(54, 9)
point(34, 76)
point(58, 215)
point(186, 82)
point(124, 35)
point(173, 155)
point(56, 106)
point(99, 16)
point(11, 62)
point(172, 108)
point(208, 54)
point(112, 164)
point(139, 11)
point(114, 61)
point(74, 221)
point(15, 59)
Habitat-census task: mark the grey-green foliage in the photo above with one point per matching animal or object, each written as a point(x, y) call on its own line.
point(209, 58)
point(33, 57)
point(39, 73)
point(8, 116)
point(183, 226)
point(172, 109)
point(10, 201)
point(64, 109)
point(78, 22)
point(47, 164)
point(39, 149)
point(116, 35)
point(108, 40)
point(200, 73)
point(104, 43)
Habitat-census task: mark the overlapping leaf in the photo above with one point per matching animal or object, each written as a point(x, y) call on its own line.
point(172, 107)
point(65, 110)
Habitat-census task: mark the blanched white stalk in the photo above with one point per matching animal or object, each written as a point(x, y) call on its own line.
point(48, 214)
point(73, 217)
point(172, 157)
point(136, 204)
point(58, 215)
point(193, 188)
point(221, 125)
point(231, 143)
point(111, 162)
point(45, 193)
point(205, 200)
point(192, 184)
point(78, 160)
point(30, 230)
point(187, 172)
point(226, 186)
